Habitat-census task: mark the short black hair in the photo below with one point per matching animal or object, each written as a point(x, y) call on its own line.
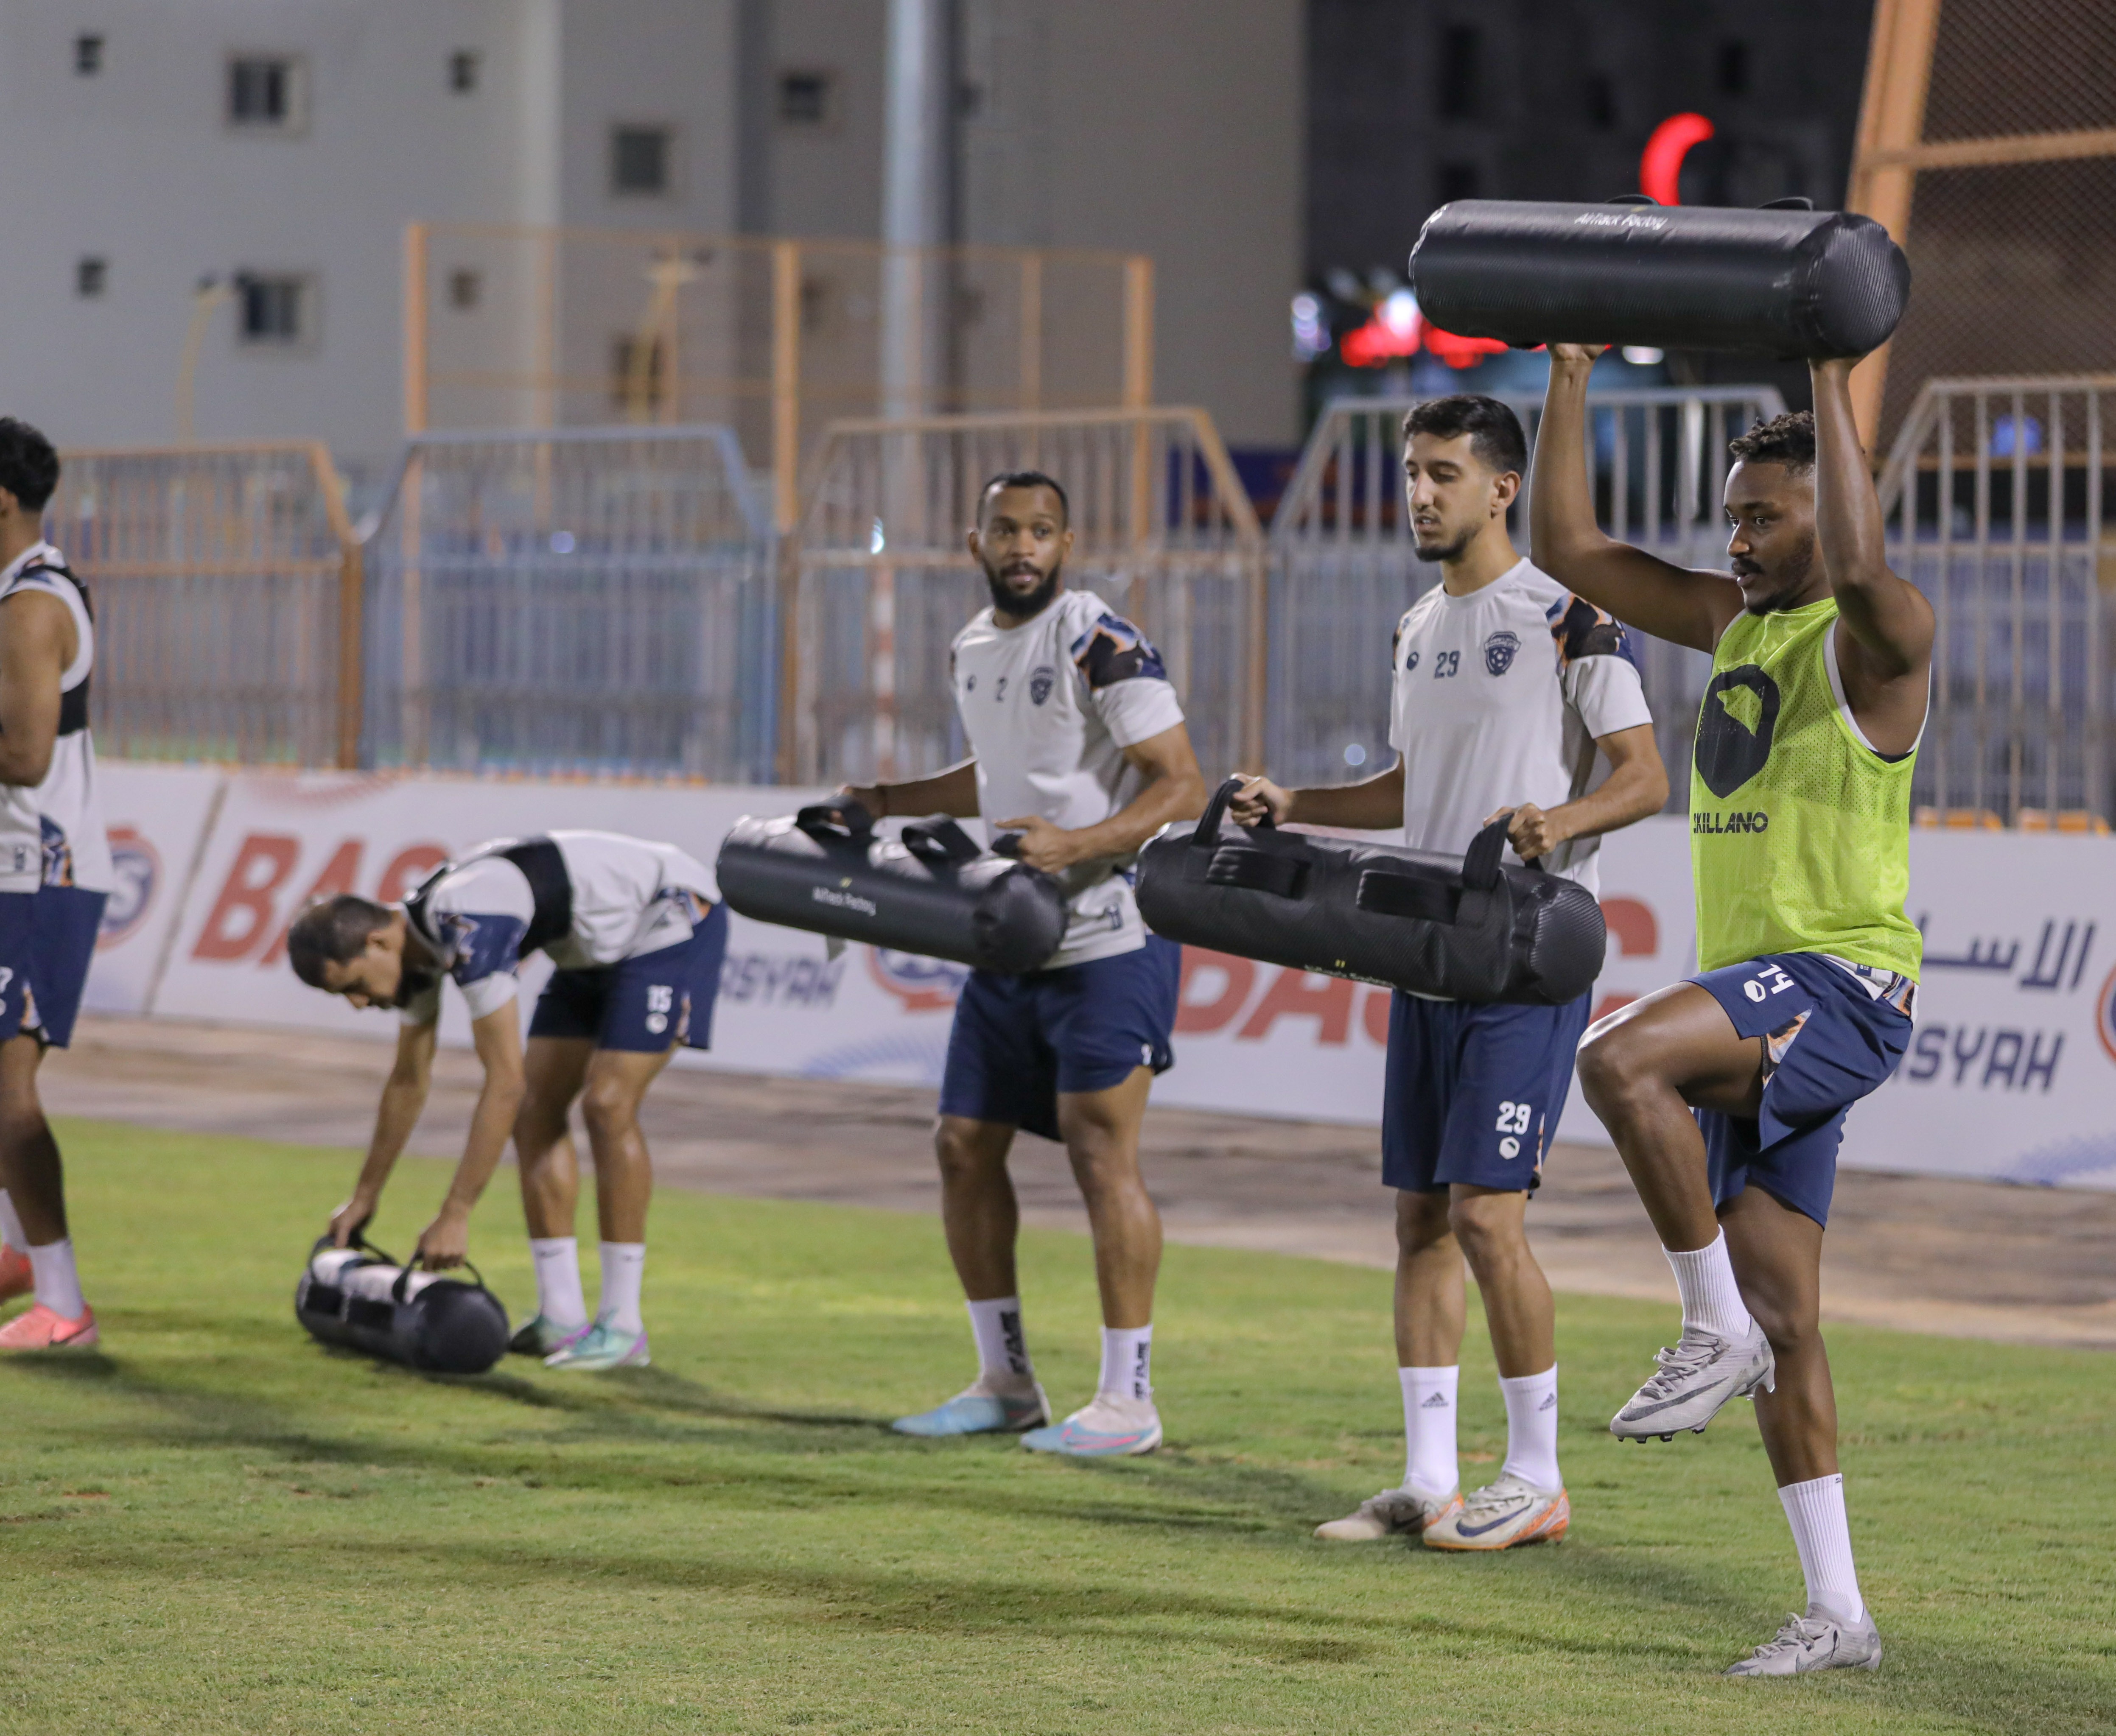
point(29, 467)
point(1494, 431)
point(1787, 439)
point(1025, 479)
point(332, 931)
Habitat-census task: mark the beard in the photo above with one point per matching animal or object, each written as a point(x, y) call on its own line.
point(1442, 551)
point(412, 984)
point(1793, 575)
point(1034, 603)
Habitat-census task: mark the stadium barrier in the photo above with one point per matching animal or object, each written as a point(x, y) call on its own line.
point(227, 591)
point(880, 582)
point(2012, 1072)
point(588, 599)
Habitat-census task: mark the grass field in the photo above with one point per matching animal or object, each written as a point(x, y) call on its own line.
point(215, 1525)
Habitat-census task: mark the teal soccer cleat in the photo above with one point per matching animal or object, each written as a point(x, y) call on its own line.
point(1109, 1427)
point(976, 1411)
point(601, 1345)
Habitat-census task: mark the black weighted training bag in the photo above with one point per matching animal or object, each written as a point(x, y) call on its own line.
point(1780, 282)
point(934, 892)
point(360, 1298)
point(1467, 927)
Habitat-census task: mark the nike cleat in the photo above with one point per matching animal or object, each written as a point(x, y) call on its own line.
point(1702, 1373)
point(1394, 1513)
point(42, 1330)
point(1815, 1641)
point(1500, 1515)
point(1107, 1427)
point(977, 1410)
point(17, 1277)
point(598, 1347)
point(539, 1337)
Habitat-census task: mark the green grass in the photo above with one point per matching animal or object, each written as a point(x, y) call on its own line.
point(215, 1525)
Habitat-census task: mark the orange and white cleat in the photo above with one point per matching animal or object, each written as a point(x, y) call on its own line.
point(42, 1330)
point(17, 1278)
point(1502, 1515)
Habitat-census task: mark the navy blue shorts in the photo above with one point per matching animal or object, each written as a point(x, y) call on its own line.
point(47, 943)
point(1019, 1041)
point(642, 1005)
point(1827, 1043)
point(1474, 1092)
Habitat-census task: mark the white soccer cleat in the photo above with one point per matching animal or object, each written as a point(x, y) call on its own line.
point(1502, 1515)
point(1703, 1372)
point(1394, 1513)
point(1818, 1640)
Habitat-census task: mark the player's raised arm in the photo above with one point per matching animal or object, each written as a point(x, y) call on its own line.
point(498, 1036)
point(1641, 589)
point(404, 1100)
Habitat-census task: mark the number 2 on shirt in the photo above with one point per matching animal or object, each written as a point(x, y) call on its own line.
point(1445, 664)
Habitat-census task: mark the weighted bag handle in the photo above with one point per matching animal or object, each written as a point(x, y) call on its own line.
point(404, 1277)
point(1480, 862)
point(940, 841)
point(1207, 837)
point(839, 817)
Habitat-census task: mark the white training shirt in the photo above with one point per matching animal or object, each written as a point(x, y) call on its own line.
point(1049, 708)
point(1499, 699)
point(53, 835)
point(631, 897)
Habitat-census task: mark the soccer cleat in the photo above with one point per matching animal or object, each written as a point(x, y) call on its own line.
point(538, 1337)
point(1500, 1515)
point(17, 1277)
point(601, 1345)
point(1702, 1373)
point(1391, 1513)
point(977, 1410)
point(1815, 1641)
point(1106, 1427)
point(42, 1330)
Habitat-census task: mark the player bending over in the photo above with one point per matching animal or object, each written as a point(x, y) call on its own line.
point(1078, 746)
point(637, 936)
point(55, 876)
point(1505, 689)
point(1726, 1093)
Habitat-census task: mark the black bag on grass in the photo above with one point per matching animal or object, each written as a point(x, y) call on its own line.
point(1780, 282)
point(934, 892)
point(1468, 928)
point(361, 1298)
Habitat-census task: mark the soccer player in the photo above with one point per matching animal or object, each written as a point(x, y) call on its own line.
point(1078, 745)
point(1508, 689)
point(638, 935)
point(1726, 1093)
point(55, 876)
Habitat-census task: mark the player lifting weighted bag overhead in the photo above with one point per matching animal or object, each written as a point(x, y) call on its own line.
point(1783, 280)
point(933, 892)
point(1466, 927)
point(358, 1298)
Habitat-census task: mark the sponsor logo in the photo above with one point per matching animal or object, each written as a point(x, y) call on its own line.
point(1615, 220)
point(922, 985)
point(1437, 1402)
point(1705, 825)
point(2104, 1016)
point(1410, 662)
point(1499, 652)
point(137, 874)
point(842, 900)
point(1734, 728)
point(1040, 684)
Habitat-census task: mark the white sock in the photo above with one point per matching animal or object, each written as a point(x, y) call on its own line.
point(58, 1285)
point(1532, 1428)
point(559, 1297)
point(10, 1226)
point(1428, 1429)
point(1128, 1363)
point(1003, 1361)
point(1820, 1532)
point(1711, 1299)
point(623, 1271)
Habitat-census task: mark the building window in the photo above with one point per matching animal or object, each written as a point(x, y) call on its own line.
point(267, 93)
point(87, 55)
point(1460, 49)
point(805, 99)
point(1457, 181)
point(275, 311)
point(639, 160)
point(1734, 69)
point(91, 277)
point(462, 71)
point(1601, 94)
point(466, 289)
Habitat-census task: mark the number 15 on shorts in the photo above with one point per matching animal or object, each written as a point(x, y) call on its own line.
point(1513, 1120)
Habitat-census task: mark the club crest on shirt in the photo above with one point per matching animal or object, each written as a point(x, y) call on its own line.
point(1499, 652)
point(1040, 684)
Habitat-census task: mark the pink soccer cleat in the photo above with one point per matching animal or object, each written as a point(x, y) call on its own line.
point(42, 1330)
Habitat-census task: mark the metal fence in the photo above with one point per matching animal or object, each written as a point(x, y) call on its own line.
point(1995, 494)
point(592, 600)
point(226, 582)
point(1345, 565)
point(1163, 532)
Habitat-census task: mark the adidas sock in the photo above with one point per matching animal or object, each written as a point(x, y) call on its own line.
point(623, 1271)
point(1532, 1428)
point(1711, 1299)
point(1428, 1429)
point(559, 1297)
point(1002, 1347)
point(58, 1285)
point(1823, 1536)
point(1128, 1363)
point(10, 1226)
